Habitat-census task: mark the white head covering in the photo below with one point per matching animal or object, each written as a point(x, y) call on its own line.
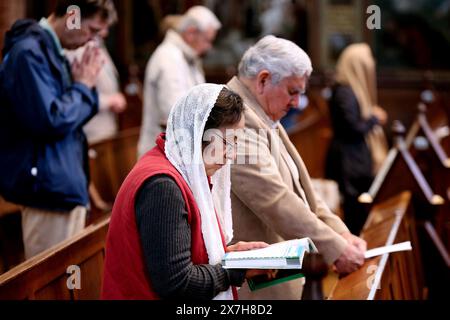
point(184, 137)
point(200, 17)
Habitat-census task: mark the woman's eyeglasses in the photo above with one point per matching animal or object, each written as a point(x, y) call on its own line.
point(230, 146)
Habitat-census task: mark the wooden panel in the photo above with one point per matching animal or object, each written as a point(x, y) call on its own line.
point(103, 173)
point(10, 11)
point(91, 278)
point(355, 286)
point(404, 276)
point(377, 235)
point(38, 274)
point(111, 161)
point(57, 288)
point(434, 161)
point(7, 207)
point(401, 104)
point(399, 275)
point(383, 211)
point(312, 134)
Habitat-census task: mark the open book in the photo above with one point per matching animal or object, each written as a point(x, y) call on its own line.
point(283, 255)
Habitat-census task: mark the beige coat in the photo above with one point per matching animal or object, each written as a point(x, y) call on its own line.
point(268, 203)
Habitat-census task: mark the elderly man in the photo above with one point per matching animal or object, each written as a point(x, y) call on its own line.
point(272, 196)
point(174, 69)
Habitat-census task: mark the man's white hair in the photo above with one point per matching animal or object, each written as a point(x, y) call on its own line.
point(199, 17)
point(281, 57)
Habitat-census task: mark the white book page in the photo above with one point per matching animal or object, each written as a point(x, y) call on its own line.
point(278, 250)
point(405, 246)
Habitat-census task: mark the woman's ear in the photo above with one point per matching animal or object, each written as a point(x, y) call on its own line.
point(261, 81)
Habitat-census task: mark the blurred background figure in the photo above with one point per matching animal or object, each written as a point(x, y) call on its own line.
point(169, 22)
point(111, 101)
point(359, 146)
point(174, 68)
point(278, 18)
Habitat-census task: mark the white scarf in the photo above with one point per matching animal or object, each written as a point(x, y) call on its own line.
point(184, 137)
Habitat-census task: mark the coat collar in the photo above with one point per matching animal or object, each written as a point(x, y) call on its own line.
point(55, 52)
point(189, 53)
point(47, 27)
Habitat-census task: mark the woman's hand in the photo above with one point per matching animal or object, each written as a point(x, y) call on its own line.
point(270, 274)
point(246, 246)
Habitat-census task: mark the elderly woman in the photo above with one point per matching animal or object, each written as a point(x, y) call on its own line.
point(359, 146)
point(172, 217)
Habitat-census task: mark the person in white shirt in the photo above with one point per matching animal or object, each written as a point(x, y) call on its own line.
point(174, 69)
point(111, 101)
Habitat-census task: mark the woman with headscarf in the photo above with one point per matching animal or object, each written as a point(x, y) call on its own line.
point(359, 146)
point(171, 222)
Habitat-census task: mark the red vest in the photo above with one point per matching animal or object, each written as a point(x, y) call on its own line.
point(125, 273)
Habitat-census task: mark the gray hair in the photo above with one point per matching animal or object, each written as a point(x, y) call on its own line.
point(199, 17)
point(281, 57)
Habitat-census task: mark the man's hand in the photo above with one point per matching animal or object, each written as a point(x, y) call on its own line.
point(87, 70)
point(117, 103)
point(356, 241)
point(351, 260)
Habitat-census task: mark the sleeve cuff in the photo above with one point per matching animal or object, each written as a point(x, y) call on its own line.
point(236, 277)
point(90, 94)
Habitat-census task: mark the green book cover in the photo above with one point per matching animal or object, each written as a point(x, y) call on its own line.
point(261, 282)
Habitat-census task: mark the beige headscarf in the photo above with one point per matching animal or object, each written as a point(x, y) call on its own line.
point(356, 68)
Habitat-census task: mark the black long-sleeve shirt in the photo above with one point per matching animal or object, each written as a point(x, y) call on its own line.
point(348, 123)
point(349, 161)
point(162, 221)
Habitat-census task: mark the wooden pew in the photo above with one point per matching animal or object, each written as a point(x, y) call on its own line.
point(434, 161)
point(425, 126)
point(45, 276)
point(7, 208)
point(111, 161)
point(10, 236)
point(394, 276)
point(402, 172)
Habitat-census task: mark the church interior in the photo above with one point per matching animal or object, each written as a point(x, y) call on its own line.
point(407, 200)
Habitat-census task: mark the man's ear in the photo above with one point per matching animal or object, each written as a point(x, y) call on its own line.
point(262, 80)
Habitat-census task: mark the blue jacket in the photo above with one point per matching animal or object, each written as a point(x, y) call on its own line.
point(43, 150)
